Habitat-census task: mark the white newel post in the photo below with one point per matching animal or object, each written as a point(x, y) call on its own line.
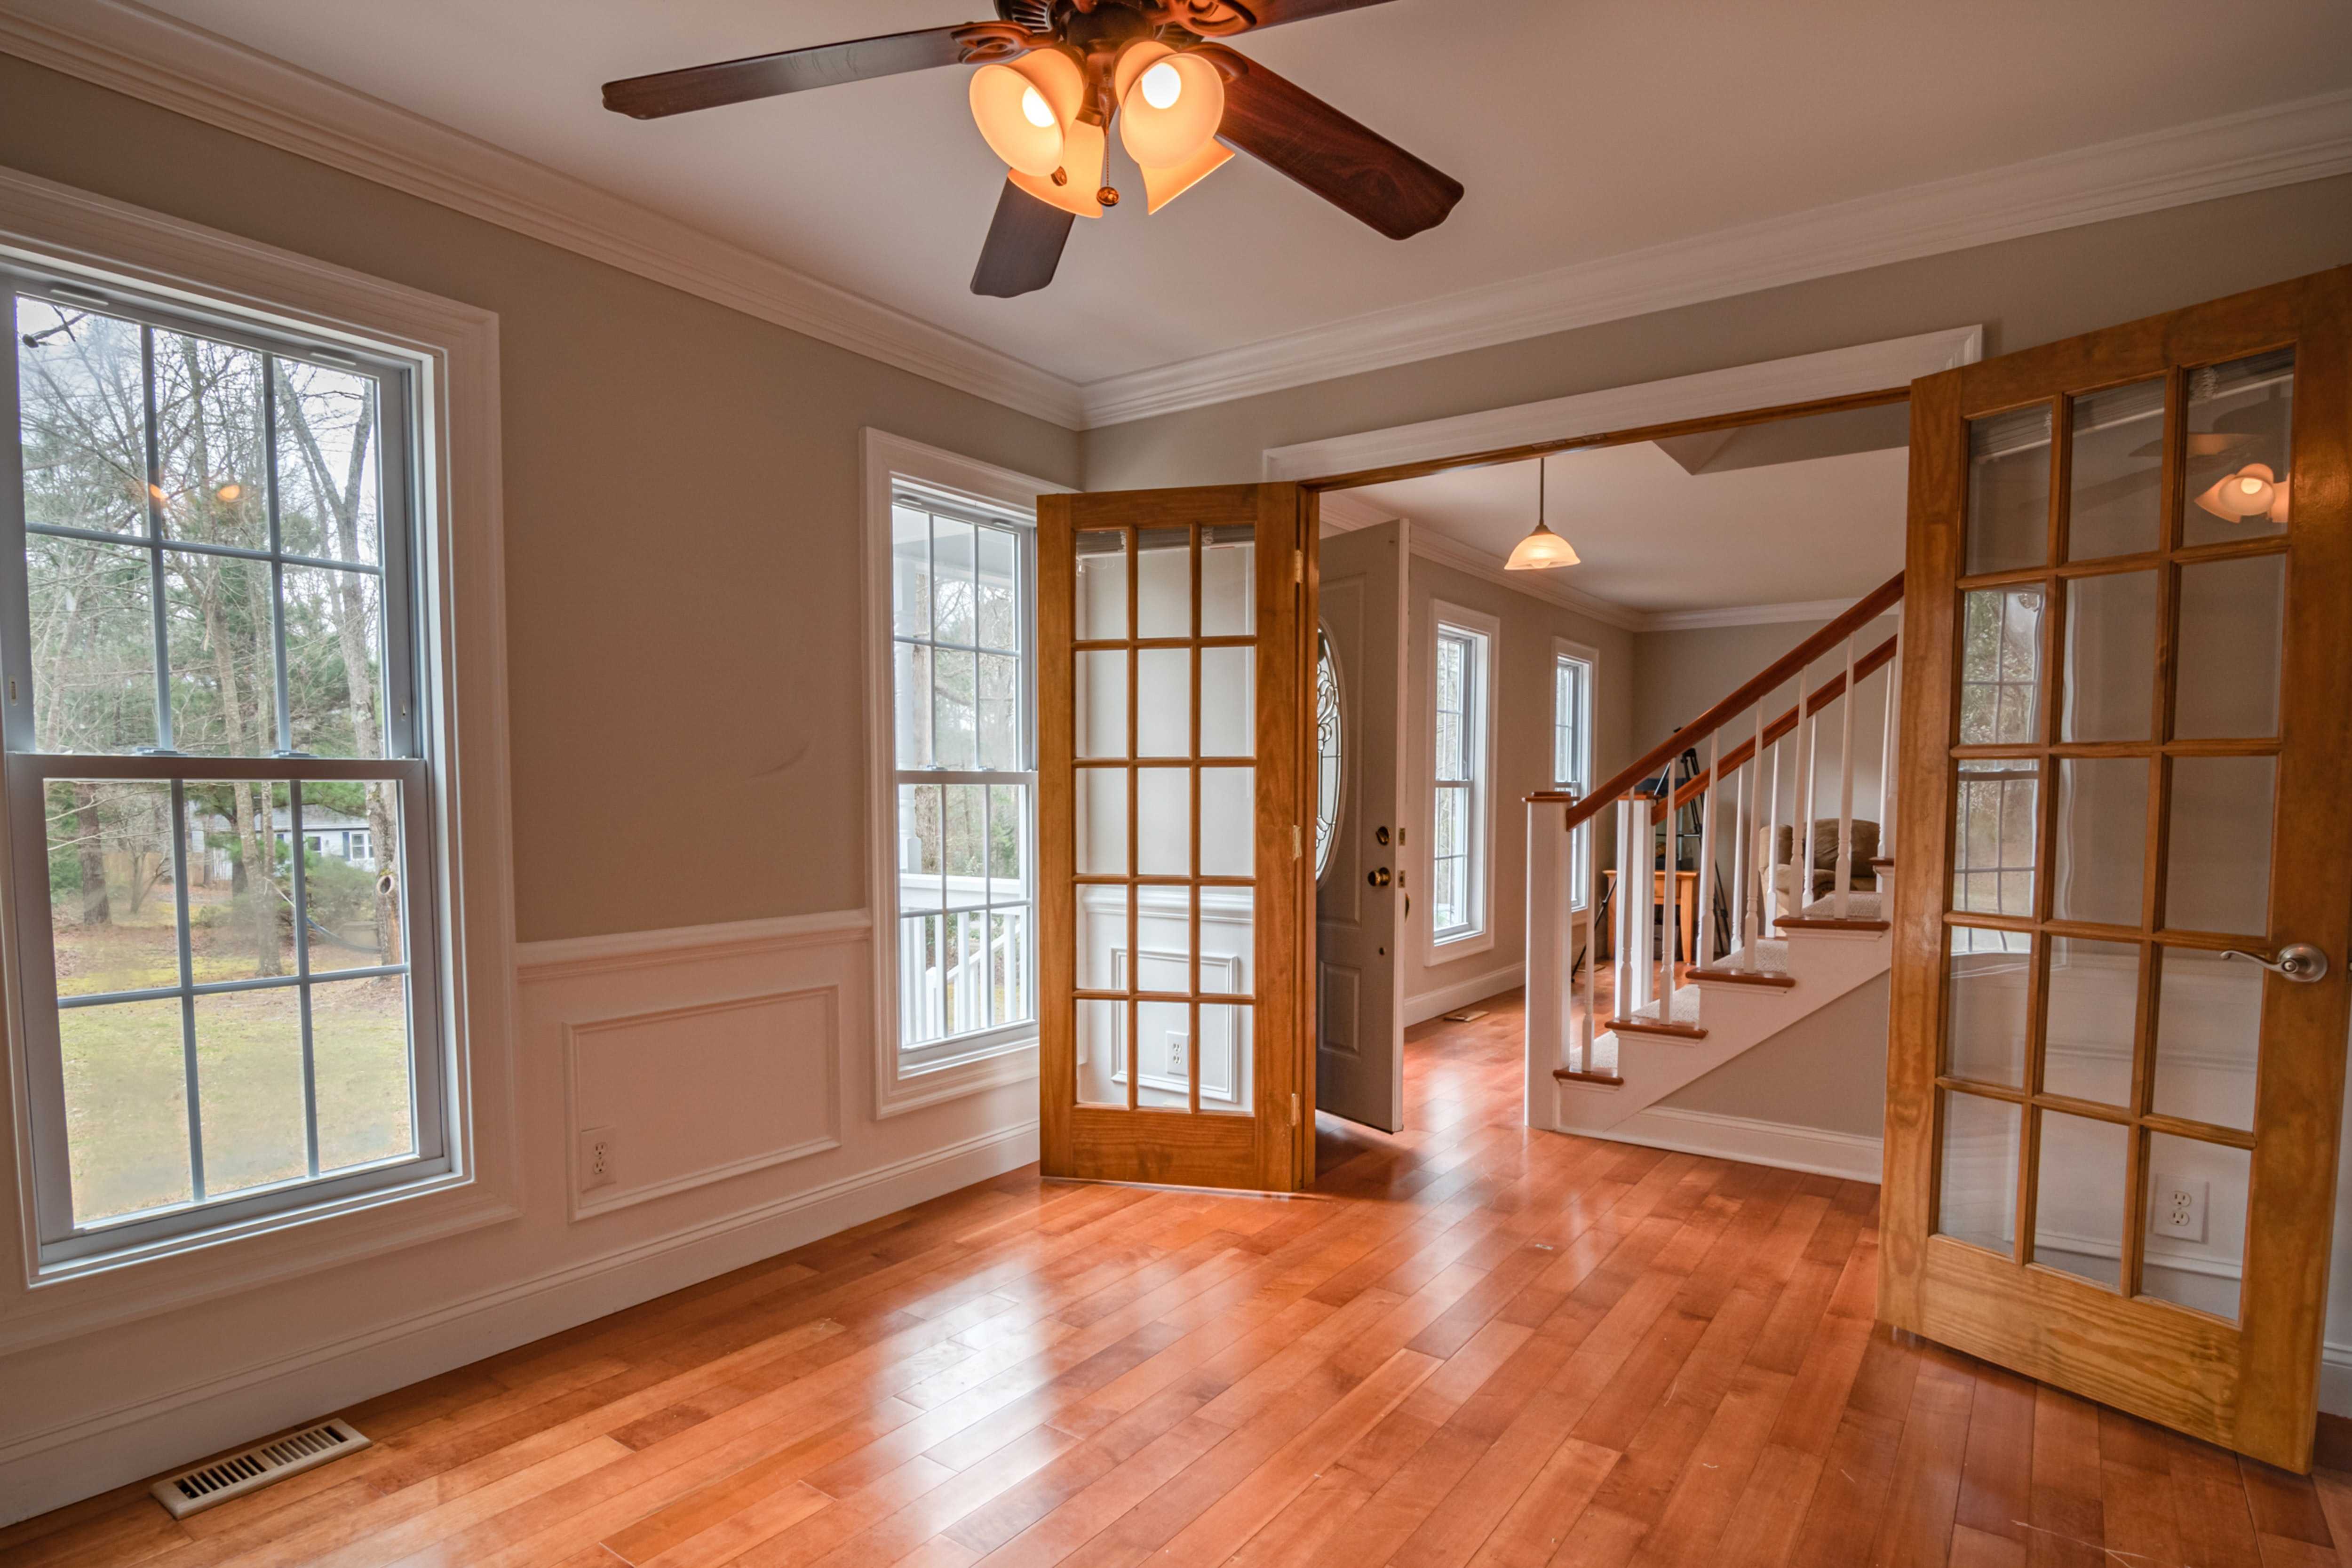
point(1550, 955)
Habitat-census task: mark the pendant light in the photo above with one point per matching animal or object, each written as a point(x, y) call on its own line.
point(1543, 549)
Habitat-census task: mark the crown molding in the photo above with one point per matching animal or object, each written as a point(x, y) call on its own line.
point(2279, 144)
point(184, 69)
point(126, 47)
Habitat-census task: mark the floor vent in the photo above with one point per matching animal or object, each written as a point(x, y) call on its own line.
point(193, 1491)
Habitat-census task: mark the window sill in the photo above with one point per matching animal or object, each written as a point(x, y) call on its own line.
point(79, 1295)
point(902, 1089)
point(1446, 950)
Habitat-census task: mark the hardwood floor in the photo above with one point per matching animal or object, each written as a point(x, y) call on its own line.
point(1476, 1347)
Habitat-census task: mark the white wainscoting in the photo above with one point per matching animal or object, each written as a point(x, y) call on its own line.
point(732, 1063)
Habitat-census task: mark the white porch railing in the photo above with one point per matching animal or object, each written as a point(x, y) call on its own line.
point(1738, 794)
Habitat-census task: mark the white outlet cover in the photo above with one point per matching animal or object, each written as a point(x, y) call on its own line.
point(588, 1174)
point(2188, 1196)
point(1177, 1062)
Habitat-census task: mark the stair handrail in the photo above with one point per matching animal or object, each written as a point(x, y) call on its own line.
point(1863, 611)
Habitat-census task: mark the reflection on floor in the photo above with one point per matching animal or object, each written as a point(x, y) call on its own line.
point(1476, 1347)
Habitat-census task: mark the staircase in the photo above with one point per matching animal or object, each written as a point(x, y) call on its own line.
point(1606, 1042)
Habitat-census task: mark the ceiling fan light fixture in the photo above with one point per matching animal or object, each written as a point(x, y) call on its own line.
point(1026, 108)
point(2252, 492)
point(1169, 104)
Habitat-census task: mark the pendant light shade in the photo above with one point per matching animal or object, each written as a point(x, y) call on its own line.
point(1543, 549)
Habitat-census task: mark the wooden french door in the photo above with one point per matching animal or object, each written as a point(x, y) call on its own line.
point(1176, 780)
point(2111, 1134)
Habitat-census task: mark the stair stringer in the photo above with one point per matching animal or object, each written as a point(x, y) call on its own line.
point(1737, 1019)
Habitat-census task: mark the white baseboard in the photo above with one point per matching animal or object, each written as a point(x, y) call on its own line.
point(1814, 1149)
point(1462, 993)
point(2335, 1378)
point(50, 1468)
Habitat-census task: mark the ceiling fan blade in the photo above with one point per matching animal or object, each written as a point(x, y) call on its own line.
point(1024, 245)
point(793, 71)
point(1354, 167)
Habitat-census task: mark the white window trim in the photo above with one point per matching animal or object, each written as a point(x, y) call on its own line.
point(1481, 936)
point(890, 461)
point(453, 349)
point(1579, 879)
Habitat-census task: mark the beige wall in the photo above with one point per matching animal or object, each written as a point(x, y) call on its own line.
point(2024, 291)
point(1522, 759)
point(682, 495)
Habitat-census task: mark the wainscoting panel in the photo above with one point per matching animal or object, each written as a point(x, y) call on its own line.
point(698, 1094)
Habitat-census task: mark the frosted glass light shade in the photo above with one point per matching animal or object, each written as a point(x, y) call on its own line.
point(1540, 550)
point(1162, 186)
point(1170, 134)
point(1001, 106)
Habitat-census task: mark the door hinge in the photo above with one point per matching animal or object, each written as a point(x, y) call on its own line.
point(1297, 843)
point(1293, 1107)
point(1298, 566)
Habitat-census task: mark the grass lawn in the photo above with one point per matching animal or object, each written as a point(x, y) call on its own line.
point(125, 1081)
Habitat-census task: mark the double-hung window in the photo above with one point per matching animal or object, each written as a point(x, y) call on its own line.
point(1462, 668)
point(1571, 747)
point(962, 596)
point(211, 640)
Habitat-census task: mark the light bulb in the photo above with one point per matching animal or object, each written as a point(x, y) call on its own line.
point(1162, 86)
point(1035, 110)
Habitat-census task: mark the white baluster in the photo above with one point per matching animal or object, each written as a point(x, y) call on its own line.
point(1620, 948)
point(1591, 849)
point(1550, 984)
point(1645, 908)
point(1741, 810)
point(1800, 833)
point(1670, 898)
point(1890, 757)
point(1844, 873)
point(1773, 907)
point(1706, 954)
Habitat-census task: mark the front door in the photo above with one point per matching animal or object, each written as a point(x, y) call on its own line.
point(1358, 894)
point(1175, 778)
point(2123, 924)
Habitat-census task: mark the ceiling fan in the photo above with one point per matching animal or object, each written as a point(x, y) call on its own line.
point(1055, 73)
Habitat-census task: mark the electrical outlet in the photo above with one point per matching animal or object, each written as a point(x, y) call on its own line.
point(1176, 1053)
point(2177, 1207)
point(596, 1157)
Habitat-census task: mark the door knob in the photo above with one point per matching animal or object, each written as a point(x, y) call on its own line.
point(1379, 878)
point(2299, 962)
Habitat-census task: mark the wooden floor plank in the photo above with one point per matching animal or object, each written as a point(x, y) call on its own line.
point(1477, 1346)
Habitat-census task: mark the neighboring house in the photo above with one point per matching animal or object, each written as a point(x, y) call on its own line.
point(324, 832)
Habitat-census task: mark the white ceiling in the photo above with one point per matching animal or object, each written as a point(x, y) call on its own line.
point(1656, 539)
point(1582, 132)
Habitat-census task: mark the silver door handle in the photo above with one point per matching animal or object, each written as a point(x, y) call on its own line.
point(2299, 962)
